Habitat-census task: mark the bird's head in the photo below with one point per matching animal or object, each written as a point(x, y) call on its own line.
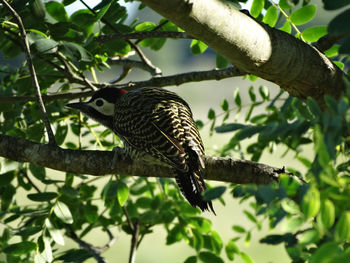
point(101, 105)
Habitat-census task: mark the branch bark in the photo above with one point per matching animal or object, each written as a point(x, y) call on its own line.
point(100, 163)
point(256, 48)
point(178, 79)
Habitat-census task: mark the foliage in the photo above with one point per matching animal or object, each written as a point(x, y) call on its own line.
point(315, 215)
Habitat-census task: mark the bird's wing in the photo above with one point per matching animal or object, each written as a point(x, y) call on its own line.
point(167, 131)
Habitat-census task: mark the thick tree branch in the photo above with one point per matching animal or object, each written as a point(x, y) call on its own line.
point(144, 35)
point(178, 79)
point(256, 48)
point(100, 163)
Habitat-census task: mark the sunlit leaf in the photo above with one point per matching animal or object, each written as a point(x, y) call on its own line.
point(303, 14)
point(62, 212)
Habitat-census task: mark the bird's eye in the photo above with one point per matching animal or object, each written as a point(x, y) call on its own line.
point(99, 103)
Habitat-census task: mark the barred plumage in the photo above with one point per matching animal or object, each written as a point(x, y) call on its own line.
point(155, 122)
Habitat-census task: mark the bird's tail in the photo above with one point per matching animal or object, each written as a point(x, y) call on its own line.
point(192, 185)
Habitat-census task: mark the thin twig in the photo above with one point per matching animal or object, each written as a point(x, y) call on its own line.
point(32, 72)
point(155, 29)
point(128, 219)
point(135, 47)
point(132, 63)
point(177, 79)
point(93, 250)
point(24, 173)
point(143, 35)
point(110, 243)
point(134, 242)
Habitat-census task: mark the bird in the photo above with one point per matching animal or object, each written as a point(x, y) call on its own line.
point(156, 123)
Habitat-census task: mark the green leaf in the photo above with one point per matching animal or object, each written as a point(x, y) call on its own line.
point(57, 11)
point(75, 52)
point(333, 51)
point(311, 202)
point(290, 206)
point(91, 213)
point(312, 34)
point(325, 253)
point(221, 62)
point(145, 26)
point(327, 214)
point(293, 224)
point(19, 248)
point(6, 178)
point(229, 127)
point(211, 114)
point(277, 239)
point(342, 228)
point(250, 216)
point(340, 24)
point(214, 193)
point(209, 257)
point(54, 233)
point(237, 97)
point(313, 107)
point(61, 210)
point(45, 46)
point(246, 258)
point(75, 255)
point(37, 171)
point(231, 249)
point(198, 47)
point(251, 93)
point(309, 237)
point(248, 132)
point(303, 15)
point(68, 2)
point(85, 20)
point(271, 16)
point(191, 259)
point(122, 193)
point(103, 11)
point(224, 105)
point(257, 7)
point(287, 27)
point(42, 197)
point(238, 229)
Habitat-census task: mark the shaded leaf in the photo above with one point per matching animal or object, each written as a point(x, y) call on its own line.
point(209, 257)
point(214, 193)
point(19, 248)
point(42, 197)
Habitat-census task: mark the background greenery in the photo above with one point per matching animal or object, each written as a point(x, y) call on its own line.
point(44, 214)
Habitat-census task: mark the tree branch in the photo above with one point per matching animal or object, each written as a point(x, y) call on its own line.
point(94, 251)
point(35, 81)
point(144, 35)
point(178, 79)
point(256, 48)
point(100, 163)
point(327, 41)
point(134, 241)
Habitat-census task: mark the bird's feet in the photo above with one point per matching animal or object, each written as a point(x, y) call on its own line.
point(119, 154)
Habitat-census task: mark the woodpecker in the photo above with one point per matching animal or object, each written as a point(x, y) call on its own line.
point(158, 123)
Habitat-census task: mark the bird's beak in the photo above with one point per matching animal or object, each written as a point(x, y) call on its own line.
point(76, 105)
